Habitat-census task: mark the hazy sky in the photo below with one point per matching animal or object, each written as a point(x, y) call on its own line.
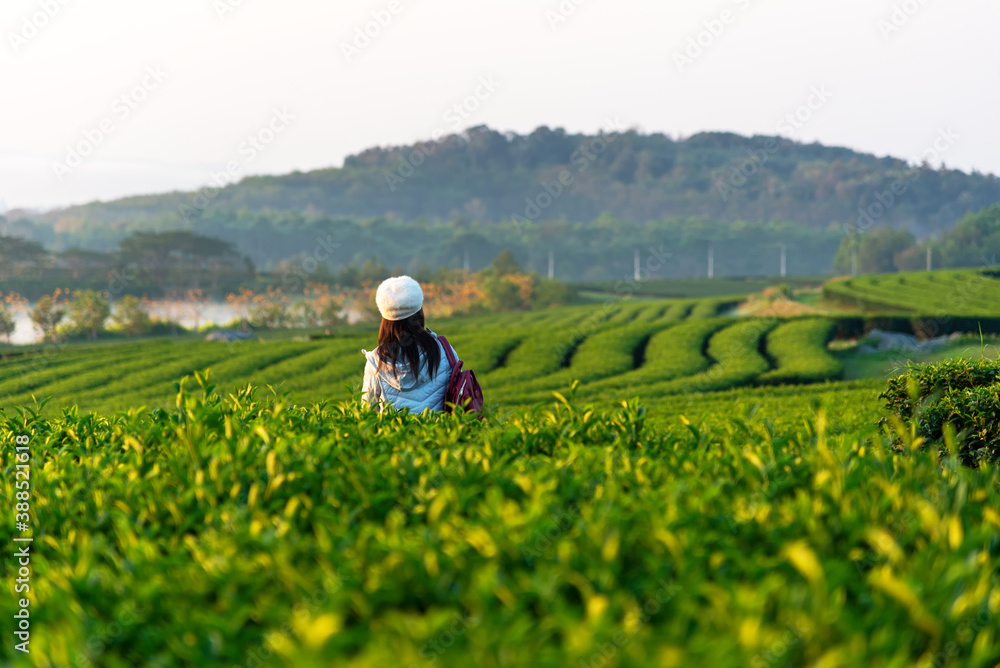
point(161, 95)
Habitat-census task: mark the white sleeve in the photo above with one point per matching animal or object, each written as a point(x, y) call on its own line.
point(371, 387)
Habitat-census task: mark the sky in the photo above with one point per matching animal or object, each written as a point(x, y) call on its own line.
point(101, 99)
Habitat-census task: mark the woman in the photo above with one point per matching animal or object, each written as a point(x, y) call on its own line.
point(409, 368)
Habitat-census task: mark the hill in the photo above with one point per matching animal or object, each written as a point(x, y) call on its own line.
point(489, 176)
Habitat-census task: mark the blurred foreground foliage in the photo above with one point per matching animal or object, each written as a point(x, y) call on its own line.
point(244, 531)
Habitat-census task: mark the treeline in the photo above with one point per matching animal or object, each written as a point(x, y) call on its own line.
point(600, 251)
point(973, 242)
point(487, 176)
point(290, 250)
point(153, 263)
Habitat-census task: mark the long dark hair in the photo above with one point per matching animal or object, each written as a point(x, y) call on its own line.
point(404, 340)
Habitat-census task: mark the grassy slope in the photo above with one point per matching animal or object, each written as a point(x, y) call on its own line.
point(884, 365)
point(961, 292)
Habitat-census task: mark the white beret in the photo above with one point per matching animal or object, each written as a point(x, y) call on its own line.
point(399, 298)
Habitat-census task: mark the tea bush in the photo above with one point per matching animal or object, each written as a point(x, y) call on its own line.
point(799, 351)
point(610, 352)
point(962, 393)
point(671, 353)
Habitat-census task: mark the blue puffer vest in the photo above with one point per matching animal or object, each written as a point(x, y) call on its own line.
point(406, 390)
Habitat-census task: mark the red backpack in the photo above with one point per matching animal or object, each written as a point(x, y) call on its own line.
point(463, 389)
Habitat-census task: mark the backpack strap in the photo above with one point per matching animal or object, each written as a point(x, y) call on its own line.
point(452, 360)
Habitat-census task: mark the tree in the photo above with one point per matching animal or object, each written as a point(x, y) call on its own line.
point(47, 315)
point(914, 258)
point(18, 254)
point(877, 250)
point(373, 271)
point(329, 313)
point(170, 309)
point(350, 277)
point(550, 292)
point(303, 314)
point(320, 307)
point(973, 242)
point(506, 264)
point(9, 306)
point(88, 311)
point(79, 261)
point(196, 303)
point(7, 323)
point(241, 303)
point(132, 317)
point(510, 292)
point(180, 258)
point(269, 309)
point(844, 260)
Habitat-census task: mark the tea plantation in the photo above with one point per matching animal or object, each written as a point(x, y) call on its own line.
point(708, 495)
point(962, 292)
point(616, 350)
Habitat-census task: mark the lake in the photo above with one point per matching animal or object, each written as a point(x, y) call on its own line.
point(215, 313)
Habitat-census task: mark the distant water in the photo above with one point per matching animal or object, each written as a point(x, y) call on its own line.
point(212, 313)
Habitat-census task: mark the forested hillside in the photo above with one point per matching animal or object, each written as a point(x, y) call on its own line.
point(713, 203)
point(488, 176)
